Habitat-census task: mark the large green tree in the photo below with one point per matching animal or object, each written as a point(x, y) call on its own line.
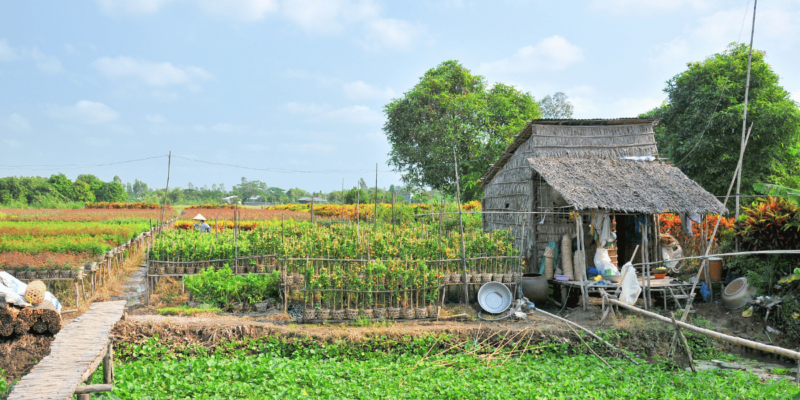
point(450, 108)
point(701, 124)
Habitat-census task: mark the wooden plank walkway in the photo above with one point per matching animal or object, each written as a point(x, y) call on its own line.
point(74, 355)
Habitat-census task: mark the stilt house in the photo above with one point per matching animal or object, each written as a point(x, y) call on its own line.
point(554, 167)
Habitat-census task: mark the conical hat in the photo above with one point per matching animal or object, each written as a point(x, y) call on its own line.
point(200, 217)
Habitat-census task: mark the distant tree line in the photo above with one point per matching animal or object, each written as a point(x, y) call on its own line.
point(58, 190)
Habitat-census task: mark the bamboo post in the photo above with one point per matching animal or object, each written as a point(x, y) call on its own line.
point(166, 191)
point(461, 231)
point(376, 195)
point(744, 118)
point(683, 340)
point(582, 249)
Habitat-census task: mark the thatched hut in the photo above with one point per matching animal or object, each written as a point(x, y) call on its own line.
point(554, 167)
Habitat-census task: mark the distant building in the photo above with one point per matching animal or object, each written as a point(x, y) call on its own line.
point(230, 199)
point(316, 200)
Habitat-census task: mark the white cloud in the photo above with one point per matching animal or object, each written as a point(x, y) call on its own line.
point(795, 95)
point(583, 107)
point(228, 128)
point(392, 33)
point(632, 107)
point(350, 115)
point(154, 74)
point(670, 53)
point(11, 143)
point(46, 64)
point(114, 7)
point(328, 16)
point(165, 95)
point(156, 119)
point(85, 112)
point(16, 122)
point(771, 22)
point(553, 53)
point(619, 5)
point(306, 108)
point(242, 10)
point(362, 90)
point(6, 52)
point(355, 115)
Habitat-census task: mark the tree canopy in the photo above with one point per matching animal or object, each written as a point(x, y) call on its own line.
point(450, 108)
point(556, 106)
point(701, 124)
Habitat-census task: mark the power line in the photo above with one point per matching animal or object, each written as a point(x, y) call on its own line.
point(75, 166)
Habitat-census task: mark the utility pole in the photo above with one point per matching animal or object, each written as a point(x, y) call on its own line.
point(744, 117)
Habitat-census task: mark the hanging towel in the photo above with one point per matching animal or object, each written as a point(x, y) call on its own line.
point(602, 227)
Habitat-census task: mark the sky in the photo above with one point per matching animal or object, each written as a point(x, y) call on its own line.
point(291, 92)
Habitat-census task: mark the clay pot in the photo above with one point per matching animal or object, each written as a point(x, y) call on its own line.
point(535, 287)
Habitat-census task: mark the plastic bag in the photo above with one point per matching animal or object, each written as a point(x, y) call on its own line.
point(603, 262)
point(705, 292)
point(9, 287)
point(667, 254)
point(630, 285)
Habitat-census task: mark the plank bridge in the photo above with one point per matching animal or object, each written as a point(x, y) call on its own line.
point(75, 354)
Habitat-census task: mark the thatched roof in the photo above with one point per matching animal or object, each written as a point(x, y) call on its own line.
point(605, 138)
point(624, 185)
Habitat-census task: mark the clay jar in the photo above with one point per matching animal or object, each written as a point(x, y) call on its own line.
point(535, 287)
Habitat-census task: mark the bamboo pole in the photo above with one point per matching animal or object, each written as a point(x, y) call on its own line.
point(166, 191)
point(376, 195)
point(744, 115)
point(592, 334)
point(461, 231)
point(683, 340)
point(716, 335)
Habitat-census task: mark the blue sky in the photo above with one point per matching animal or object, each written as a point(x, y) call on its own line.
point(299, 85)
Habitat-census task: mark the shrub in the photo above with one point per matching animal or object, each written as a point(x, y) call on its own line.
point(770, 223)
point(222, 287)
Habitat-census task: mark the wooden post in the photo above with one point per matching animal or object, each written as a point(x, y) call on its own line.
point(744, 120)
point(683, 340)
point(376, 195)
point(582, 249)
point(461, 231)
point(166, 190)
point(108, 363)
point(358, 218)
point(312, 210)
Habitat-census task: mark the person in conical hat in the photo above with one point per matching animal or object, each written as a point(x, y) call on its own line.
point(201, 224)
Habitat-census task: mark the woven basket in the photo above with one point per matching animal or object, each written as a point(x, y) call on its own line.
point(298, 279)
point(508, 278)
point(151, 270)
point(393, 312)
point(421, 312)
point(469, 278)
point(180, 270)
point(455, 278)
point(161, 270)
point(566, 255)
point(445, 279)
point(259, 269)
point(497, 277)
point(379, 313)
point(367, 313)
point(407, 313)
point(323, 313)
point(52, 273)
point(433, 311)
point(351, 313)
point(64, 274)
point(190, 270)
point(289, 280)
point(309, 314)
point(337, 314)
point(170, 269)
point(486, 278)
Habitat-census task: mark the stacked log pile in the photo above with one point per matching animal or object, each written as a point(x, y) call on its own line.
point(41, 319)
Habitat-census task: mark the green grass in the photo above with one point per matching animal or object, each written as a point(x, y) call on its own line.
point(186, 310)
point(273, 369)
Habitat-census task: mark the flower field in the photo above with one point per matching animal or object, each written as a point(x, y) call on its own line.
point(245, 214)
point(65, 239)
